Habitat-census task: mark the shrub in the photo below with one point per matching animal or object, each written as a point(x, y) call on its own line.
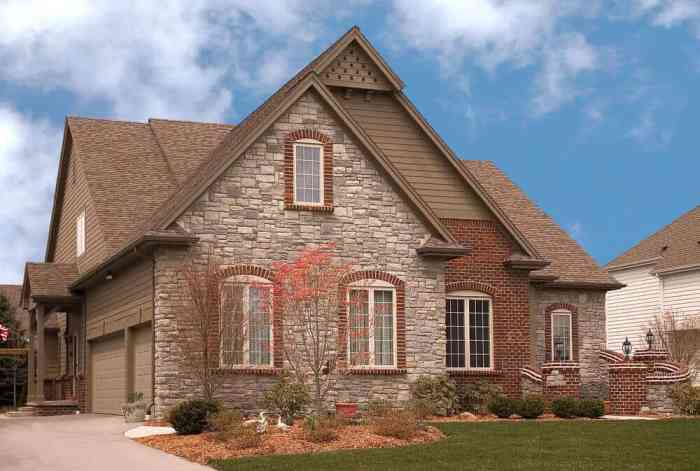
point(246, 436)
point(402, 424)
point(591, 408)
point(530, 408)
point(421, 408)
point(686, 398)
point(437, 391)
point(225, 424)
point(502, 407)
point(321, 429)
point(475, 397)
point(192, 417)
point(565, 407)
point(379, 408)
point(288, 399)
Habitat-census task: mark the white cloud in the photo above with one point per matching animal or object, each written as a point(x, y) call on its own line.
point(494, 33)
point(177, 58)
point(28, 163)
point(576, 231)
point(669, 13)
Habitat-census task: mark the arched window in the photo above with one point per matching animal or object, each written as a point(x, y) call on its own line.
point(371, 324)
point(308, 172)
point(246, 322)
point(469, 323)
point(562, 333)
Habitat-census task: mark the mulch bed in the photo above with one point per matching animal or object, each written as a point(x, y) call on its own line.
point(205, 447)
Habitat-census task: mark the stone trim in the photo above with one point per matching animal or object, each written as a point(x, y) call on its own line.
point(249, 371)
point(400, 288)
point(472, 286)
point(291, 138)
point(548, 330)
point(476, 373)
point(277, 334)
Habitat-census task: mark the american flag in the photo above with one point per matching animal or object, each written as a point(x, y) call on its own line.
point(4, 333)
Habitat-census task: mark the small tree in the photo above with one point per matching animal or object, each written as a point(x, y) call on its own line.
point(200, 330)
point(308, 293)
point(9, 322)
point(678, 334)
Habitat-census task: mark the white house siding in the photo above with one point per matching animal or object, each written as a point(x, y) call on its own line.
point(681, 294)
point(630, 309)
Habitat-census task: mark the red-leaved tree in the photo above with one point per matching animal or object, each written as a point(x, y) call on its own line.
point(308, 293)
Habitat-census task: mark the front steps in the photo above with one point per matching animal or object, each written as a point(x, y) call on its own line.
point(46, 408)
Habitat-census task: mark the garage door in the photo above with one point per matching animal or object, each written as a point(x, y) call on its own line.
point(142, 368)
point(108, 374)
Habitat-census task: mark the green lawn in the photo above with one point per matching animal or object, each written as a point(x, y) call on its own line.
point(523, 446)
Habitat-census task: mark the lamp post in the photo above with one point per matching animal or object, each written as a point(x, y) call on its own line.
point(650, 338)
point(627, 348)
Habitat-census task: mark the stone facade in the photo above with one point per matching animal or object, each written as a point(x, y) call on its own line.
point(243, 218)
point(589, 338)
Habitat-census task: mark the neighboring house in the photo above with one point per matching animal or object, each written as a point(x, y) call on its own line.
point(480, 281)
point(13, 294)
point(661, 274)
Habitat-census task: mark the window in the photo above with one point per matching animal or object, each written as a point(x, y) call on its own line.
point(372, 324)
point(308, 172)
point(469, 324)
point(246, 316)
point(80, 234)
point(561, 336)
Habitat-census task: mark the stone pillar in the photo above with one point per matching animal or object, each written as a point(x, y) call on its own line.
point(40, 353)
point(561, 380)
point(627, 387)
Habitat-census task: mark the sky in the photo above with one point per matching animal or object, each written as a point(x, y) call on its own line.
point(590, 106)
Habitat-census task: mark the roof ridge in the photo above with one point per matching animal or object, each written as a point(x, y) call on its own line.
point(104, 120)
point(189, 121)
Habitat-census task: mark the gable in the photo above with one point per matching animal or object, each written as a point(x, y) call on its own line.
point(353, 68)
point(414, 154)
point(74, 198)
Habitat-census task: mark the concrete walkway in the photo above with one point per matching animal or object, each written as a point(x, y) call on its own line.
point(79, 443)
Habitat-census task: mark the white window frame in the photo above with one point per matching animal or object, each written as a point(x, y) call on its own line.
point(371, 286)
point(466, 296)
point(80, 234)
point(567, 313)
point(319, 145)
point(247, 281)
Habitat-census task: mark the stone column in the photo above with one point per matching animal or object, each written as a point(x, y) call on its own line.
point(40, 352)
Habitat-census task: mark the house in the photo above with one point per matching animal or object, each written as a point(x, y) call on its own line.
point(479, 280)
point(661, 274)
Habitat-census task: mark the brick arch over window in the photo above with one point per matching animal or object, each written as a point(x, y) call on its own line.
point(548, 329)
point(472, 286)
point(293, 137)
point(400, 288)
point(277, 337)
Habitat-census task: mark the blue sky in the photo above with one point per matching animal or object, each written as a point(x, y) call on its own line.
point(590, 106)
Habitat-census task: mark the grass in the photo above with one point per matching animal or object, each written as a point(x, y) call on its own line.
point(523, 446)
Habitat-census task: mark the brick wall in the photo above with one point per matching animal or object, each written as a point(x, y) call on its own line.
point(483, 270)
point(627, 388)
point(561, 380)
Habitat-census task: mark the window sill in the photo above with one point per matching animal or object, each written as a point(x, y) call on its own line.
point(309, 207)
point(467, 372)
point(249, 371)
point(373, 371)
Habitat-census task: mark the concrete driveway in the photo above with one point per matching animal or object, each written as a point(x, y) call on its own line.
point(79, 443)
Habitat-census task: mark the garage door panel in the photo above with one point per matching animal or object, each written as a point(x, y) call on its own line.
point(108, 372)
point(142, 369)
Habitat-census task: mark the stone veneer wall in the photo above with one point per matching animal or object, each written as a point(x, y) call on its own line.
point(483, 270)
point(590, 306)
point(242, 217)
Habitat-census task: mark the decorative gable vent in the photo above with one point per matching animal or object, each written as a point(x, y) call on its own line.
point(353, 68)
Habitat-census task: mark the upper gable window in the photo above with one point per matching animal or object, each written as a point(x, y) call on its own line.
point(308, 172)
point(80, 234)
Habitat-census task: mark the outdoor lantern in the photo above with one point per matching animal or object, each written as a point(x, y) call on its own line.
point(627, 348)
point(650, 338)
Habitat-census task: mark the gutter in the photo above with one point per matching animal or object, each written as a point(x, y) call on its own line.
point(679, 269)
point(609, 286)
point(130, 252)
point(637, 264)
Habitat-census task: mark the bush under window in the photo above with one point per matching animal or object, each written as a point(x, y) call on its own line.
point(565, 407)
point(686, 398)
point(288, 399)
point(438, 391)
point(402, 424)
point(502, 407)
point(475, 397)
point(591, 408)
point(530, 408)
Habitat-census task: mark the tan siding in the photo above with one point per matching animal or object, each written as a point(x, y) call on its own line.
point(124, 301)
point(630, 310)
point(416, 157)
point(76, 198)
point(141, 358)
